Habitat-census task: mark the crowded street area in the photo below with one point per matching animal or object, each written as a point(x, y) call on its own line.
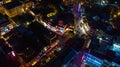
point(59, 33)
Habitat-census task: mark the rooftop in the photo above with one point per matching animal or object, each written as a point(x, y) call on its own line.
point(11, 5)
point(3, 19)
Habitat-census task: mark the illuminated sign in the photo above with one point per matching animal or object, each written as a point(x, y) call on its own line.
point(92, 60)
point(116, 45)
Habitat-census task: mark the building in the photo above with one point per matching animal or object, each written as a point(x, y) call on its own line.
point(28, 4)
point(24, 43)
point(24, 19)
point(47, 37)
point(5, 25)
point(4, 1)
point(15, 8)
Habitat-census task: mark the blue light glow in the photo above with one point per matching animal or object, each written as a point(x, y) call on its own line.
point(93, 60)
point(5, 29)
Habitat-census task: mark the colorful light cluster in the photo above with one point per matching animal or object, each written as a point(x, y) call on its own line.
point(6, 29)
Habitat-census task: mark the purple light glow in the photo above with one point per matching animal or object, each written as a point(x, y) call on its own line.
point(13, 54)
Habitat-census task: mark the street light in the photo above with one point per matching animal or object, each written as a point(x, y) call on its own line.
point(13, 54)
point(118, 13)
